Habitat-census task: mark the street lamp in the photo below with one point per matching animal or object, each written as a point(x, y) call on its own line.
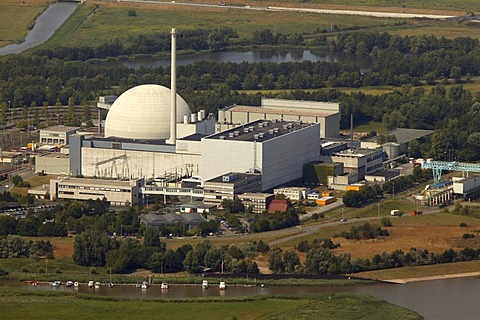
point(378, 210)
point(46, 266)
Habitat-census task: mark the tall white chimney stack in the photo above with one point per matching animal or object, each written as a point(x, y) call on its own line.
point(173, 89)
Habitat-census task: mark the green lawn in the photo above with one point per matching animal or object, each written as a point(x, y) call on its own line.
point(56, 305)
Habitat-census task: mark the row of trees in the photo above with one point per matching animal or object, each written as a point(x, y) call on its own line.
point(322, 260)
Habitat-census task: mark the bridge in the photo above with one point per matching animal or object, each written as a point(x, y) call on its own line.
point(438, 166)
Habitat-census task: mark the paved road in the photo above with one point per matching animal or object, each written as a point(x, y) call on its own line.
point(303, 10)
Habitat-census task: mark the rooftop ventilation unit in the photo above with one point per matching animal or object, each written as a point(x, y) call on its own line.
point(251, 129)
point(245, 130)
point(255, 136)
point(221, 137)
point(231, 134)
point(265, 123)
point(261, 134)
point(271, 131)
point(236, 133)
point(286, 126)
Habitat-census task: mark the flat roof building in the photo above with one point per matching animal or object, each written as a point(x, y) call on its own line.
point(259, 146)
point(57, 135)
point(259, 202)
point(359, 161)
point(327, 114)
point(121, 193)
point(229, 185)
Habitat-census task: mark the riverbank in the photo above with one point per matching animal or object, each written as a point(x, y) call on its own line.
point(61, 305)
point(438, 277)
point(404, 275)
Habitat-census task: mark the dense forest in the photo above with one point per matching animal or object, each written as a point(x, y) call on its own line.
point(65, 75)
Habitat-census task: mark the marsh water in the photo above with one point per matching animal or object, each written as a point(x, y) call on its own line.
point(436, 299)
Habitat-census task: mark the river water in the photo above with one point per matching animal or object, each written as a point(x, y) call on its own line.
point(45, 26)
point(255, 55)
point(437, 299)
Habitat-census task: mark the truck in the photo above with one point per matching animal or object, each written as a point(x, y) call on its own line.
point(395, 212)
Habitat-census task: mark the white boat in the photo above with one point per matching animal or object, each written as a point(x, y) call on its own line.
point(204, 284)
point(97, 285)
point(68, 283)
point(56, 283)
point(164, 286)
point(76, 284)
point(222, 285)
point(110, 284)
point(144, 285)
point(91, 284)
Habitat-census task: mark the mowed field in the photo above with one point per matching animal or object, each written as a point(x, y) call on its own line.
point(16, 17)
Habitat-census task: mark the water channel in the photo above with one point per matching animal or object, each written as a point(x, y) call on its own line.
point(437, 299)
point(45, 26)
point(255, 55)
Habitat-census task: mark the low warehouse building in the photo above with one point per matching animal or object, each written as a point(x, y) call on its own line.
point(121, 193)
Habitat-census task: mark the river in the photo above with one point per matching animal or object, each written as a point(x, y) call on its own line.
point(255, 55)
point(436, 299)
point(45, 26)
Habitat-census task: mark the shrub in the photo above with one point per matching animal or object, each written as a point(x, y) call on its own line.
point(468, 235)
point(24, 270)
point(41, 270)
point(3, 272)
point(132, 13)
point(386, 222)
point(58, 271)
point(93, 271)
point(463, 225)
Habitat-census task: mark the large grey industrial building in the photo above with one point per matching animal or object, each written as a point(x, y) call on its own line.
point(327, 114)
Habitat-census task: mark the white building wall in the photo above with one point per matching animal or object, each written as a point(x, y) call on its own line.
point(284, 157)
point(223, 156)
point(280, 159)
point(139, 164)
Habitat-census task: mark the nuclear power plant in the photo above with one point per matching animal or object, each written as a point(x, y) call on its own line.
point(150, 135)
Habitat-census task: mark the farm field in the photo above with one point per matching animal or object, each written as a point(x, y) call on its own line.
point(48, 305)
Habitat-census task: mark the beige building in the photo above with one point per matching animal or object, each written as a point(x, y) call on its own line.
point(229, 185)
point(259, 202)
point(12, 158)
point(121, 193)
point(57, 135)
point(293, 193)
point(327, 114)
point(358, 161)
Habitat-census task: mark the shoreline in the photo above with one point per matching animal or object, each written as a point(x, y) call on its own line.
point(428, 278)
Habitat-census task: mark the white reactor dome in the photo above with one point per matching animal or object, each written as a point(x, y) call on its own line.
point(143, 112)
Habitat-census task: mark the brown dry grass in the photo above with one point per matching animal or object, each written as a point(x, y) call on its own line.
point(433, 238)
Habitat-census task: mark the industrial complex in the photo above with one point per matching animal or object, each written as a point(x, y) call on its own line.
point(148, 140)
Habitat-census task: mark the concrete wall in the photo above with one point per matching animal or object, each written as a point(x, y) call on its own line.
point(138, 164)
point(53, 165)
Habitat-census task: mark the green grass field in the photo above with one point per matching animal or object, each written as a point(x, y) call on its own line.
point(15, 21)
point(110, 22)
point(57, 305)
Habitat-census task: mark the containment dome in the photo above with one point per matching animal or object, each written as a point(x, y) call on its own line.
point(143, 112)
